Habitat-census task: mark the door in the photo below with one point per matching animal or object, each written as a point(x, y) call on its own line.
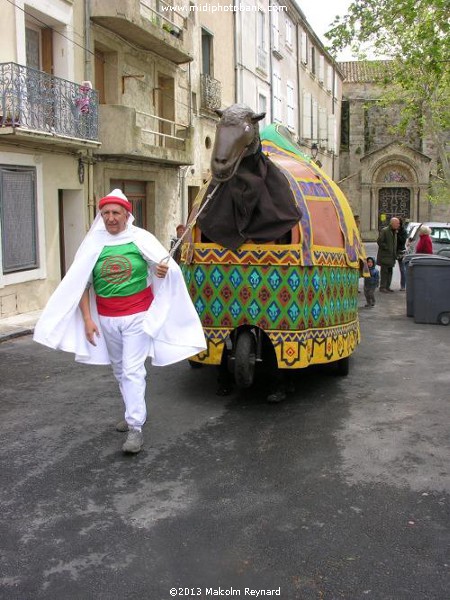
point(393, 202)
point(135, 191)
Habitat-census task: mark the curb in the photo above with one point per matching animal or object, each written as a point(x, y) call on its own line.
point(4, 337)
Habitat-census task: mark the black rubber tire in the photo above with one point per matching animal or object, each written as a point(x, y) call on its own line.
point(444, 318)
point(244, 359)
point(343, 367)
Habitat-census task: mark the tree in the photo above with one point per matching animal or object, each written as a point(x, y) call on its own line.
point(415, 35)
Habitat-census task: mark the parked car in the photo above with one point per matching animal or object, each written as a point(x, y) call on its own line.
point(440, 236)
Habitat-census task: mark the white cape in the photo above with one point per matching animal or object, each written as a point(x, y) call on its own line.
point(171, 321)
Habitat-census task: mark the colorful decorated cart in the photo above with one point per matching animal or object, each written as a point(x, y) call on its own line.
point(302, 293)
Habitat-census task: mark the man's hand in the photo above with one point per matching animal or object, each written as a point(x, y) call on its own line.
point(91, 331)
point(161, 269)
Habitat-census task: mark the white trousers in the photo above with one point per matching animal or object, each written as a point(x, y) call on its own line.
point(128, 347)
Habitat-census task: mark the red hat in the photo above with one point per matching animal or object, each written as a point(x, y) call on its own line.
point(116, 197)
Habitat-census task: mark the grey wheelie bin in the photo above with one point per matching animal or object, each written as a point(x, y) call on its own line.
point(410, 281)
point(430, 276)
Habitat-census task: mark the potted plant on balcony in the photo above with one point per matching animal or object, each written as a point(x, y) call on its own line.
point(172, 29)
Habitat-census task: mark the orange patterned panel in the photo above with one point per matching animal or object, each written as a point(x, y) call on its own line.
point(325, 224)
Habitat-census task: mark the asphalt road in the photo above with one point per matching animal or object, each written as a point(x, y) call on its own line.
point(342, 491)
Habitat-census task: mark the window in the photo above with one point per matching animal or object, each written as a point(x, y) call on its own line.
point(306, 116)
point(288, 33)
point(277, 101)
point(136, 193)
point(290, 105)
point(332, 133)
point(275, 30)
point(329, 78)
point(313, 60)
point(323, 127)
point(39, 47)
point(304, 48)
point(261, 52)
point(261, 29)
point(321, 68)
point(18, 223)
point(207, 53)
point(315, 119)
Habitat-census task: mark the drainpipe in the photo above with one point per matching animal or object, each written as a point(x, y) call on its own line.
point(88, 77)
point(87, 39)
point(238, 92)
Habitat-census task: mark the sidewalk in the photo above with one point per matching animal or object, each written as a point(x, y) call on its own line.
point(18, 325)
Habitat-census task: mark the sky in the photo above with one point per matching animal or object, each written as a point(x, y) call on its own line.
point(320, 14)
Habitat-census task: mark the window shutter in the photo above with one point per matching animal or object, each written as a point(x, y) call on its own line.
point(290, 105)
point(315, 119)
point(18, 219)
point(332, 133)
point(329, 78)
point(323, 127)
point(306, 125)
point(321, 68)
point(304, 49)
point(275, 29)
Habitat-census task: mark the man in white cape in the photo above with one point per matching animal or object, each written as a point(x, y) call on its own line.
point(169, 330)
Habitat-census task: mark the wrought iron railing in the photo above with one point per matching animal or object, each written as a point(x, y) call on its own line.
point(40, 102)
point(157, 131)
point(210, 92)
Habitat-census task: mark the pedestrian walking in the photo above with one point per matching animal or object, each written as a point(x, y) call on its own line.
point(372, 282)
point(123, 299)
point(387, 253)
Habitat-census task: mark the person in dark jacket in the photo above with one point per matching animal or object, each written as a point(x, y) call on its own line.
point(387, 253)
point(371, 283)
point(402, 236)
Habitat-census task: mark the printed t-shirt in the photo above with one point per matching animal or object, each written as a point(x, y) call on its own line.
point(120, 281)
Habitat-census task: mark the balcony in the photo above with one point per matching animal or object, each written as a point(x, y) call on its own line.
point(210, 92)
point(131, 134)
point(151, 24)
point(35, 105)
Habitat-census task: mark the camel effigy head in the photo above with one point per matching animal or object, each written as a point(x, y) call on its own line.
point(237, 135)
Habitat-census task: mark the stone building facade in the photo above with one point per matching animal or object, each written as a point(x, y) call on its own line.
point(382, 174)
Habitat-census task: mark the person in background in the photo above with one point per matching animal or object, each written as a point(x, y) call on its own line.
point(180, 231)
point(387, 253)
point(402, 237)
point(371, 283)
point(424, 245)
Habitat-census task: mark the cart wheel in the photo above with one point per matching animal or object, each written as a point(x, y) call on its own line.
point(343, 366)
point(244, 359)
point(444, 318)
point(195, 365)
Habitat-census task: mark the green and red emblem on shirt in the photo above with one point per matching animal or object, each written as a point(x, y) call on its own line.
point(120, 278)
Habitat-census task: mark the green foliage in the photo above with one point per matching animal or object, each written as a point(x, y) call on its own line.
point(415, 36)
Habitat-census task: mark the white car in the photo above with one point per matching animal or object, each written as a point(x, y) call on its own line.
point(440, 235)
